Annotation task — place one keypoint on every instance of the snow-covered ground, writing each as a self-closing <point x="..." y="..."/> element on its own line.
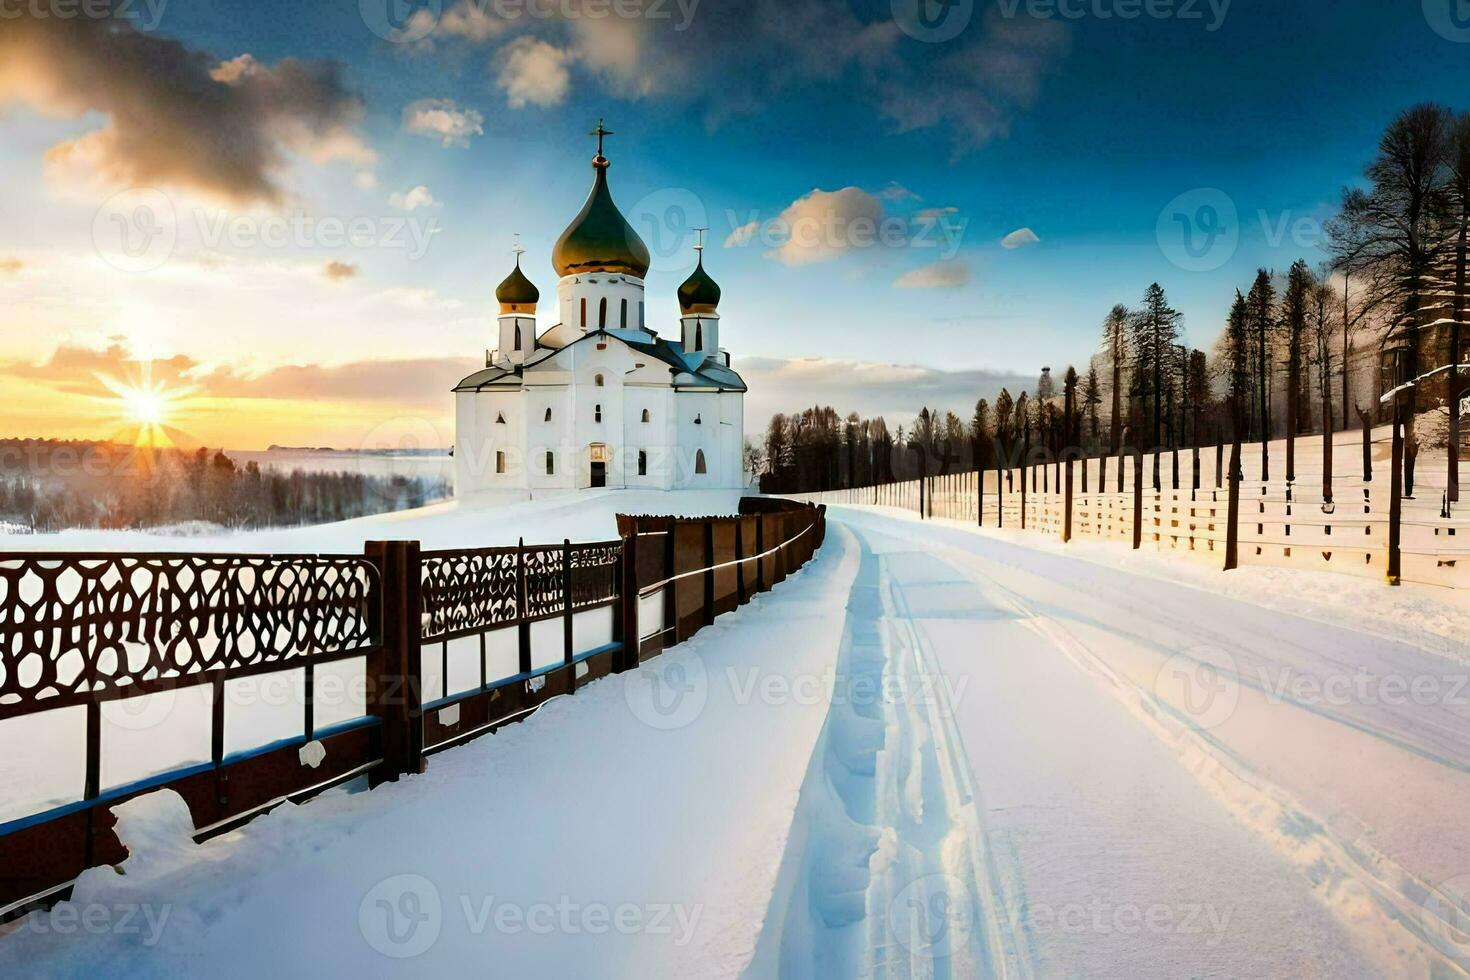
<point x="935" y="752"/>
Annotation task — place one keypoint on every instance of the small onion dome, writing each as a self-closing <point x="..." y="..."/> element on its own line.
<point x="599" y="239"/>
<point x="517" y="294"/>
<point x="700" y="293"/>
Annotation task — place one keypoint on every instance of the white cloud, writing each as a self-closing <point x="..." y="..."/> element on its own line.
<point x="742" y="235"/>
<point x="933" y="214"/>
<point x="1020" y="238"/>
<point x="409" y="200"/>
<point x="444" y="120"/>
<point x="941" y="275"/>
<point x="535" y="73"/>
<point x="825" y="224"/>
<point x="897" y="192"/>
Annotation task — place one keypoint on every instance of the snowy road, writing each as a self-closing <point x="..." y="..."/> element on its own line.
<point x="1078" y="771"/>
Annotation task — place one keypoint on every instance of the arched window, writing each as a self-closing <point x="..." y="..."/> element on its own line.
<point x="500" y="462"/>
<point x="640" y="315"/>
<point x="550" y="462"/>
<point x="584" y="312"/>
<point x="645" y="416"/>
<point x="597" y="413"/>
<point x="699" y="461"/>
<point x="499" y="418"/>
<point x="642" y="463"/>
<point x="699" y="420"/>
<point x="623" y="317"/>
<point x="699" y="335"/>
<point x="602" y="313"/>
<point x="597" y="380"/>
<point x="518" y="336"/>
<point x="548" y="413"/>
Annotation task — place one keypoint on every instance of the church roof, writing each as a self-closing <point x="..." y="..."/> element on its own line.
<point x="686" y="371"/>
<point x="516" y="289"/>
<point x="599" y="239"/>
<point x="700" y="293"/>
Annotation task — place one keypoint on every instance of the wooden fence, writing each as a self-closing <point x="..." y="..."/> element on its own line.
<point x="448" y="645"/>
<point x="1294" y="524"/>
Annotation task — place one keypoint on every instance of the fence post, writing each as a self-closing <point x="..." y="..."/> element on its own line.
<point x="523" y="605"/>
<point x="1138" y="499"/>
<point x="740" y="596"/>
<point x="1396" y="497"/>
<point x="395" y="675"/>
<point x="1067" y="503"/>
<point x="1232" y="511"/>
<point x="632" y="635"/>
<point x="709" y="571"/>
<point x="1023" y="493"/>
<point x="671" y="591"/>
<point x="566" y="595"/>
<point x="921" y="496"/>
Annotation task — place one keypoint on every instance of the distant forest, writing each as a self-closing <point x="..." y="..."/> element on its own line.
<point x="1302" y="351"/>
<point x="50" y="485"/>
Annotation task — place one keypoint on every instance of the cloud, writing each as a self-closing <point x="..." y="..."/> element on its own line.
<point x="824" y="224"/>
<point x="1020" y="238"/>
<point x="412" y="199"/>
<point x="941" y="275"/>
<point x="742" y="235"/>
<point x="10" y="267"/>
<point x="174" y="116"/>
<point x="444" y="120"/>
<point x="897" y="192"/>
<point x="933" y="214"/>
<point x="470" y="21"/>
<point x="895" y="391"/>
<point x="535" y="73"/>
<point x="338" y="271"/>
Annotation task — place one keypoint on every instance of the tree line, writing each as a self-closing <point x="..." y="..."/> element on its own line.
<point x="1302" y="350"/>
<point x="50" y="485"/>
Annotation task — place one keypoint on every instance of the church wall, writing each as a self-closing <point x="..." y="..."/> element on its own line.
<point x="656" y="437"/>
<point x="594" y="287"/>
<point x="478" y="436"/>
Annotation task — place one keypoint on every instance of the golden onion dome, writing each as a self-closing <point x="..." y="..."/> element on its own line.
<point x="700" y="293"/>
<point x="516" y="293"/>
<point x="599" y="239"/>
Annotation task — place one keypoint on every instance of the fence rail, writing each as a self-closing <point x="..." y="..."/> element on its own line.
<point x="1287" y="524"/>
<point x="448" y="645"/>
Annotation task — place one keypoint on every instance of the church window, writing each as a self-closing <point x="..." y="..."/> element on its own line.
<point x="642" y="462"/>
<point x="699" y="335"/>
<point x="602" y="313"/>
<point x="518" y="336"/>
<point x="500" y="462"/>
<point x="597" y="380"/>
<point x="499" y="418"/>
<point x="550" y="462"/>
<point x="584" y="312"/>
<point x="597" y="413"/>
<point x="699" y="461"/>
<point x="640" y="315"/>
<point x="699" y="420"/>
<point x="645" y="416"/>
<point x="548" y="413"/>
<point x="623" y="318"/>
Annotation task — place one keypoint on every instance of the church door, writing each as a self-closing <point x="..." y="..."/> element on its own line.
<point x="599" y="474"/>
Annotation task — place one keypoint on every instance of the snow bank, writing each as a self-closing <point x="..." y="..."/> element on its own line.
<point x="634" y="829"/>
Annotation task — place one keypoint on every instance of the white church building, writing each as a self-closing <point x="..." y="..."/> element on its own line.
<point x="600" y="399"/>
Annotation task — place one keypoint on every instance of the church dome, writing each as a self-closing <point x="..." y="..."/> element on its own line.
<point x="599" y="239"/>
<point x="516" y="291"/>
<point x="700" y="293"/>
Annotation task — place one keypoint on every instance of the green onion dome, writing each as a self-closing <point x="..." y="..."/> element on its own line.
<point x="517" y="294"/>
<point x="700" y="293"/>
<point x="599" y="238"/>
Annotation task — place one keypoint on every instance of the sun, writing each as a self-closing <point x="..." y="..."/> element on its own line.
<point x="145" y="404"/>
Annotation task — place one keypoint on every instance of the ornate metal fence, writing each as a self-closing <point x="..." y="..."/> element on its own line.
<point x="490" y="633"/>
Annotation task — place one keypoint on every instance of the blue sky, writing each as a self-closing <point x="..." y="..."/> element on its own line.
<point x="1082" y="129"/>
